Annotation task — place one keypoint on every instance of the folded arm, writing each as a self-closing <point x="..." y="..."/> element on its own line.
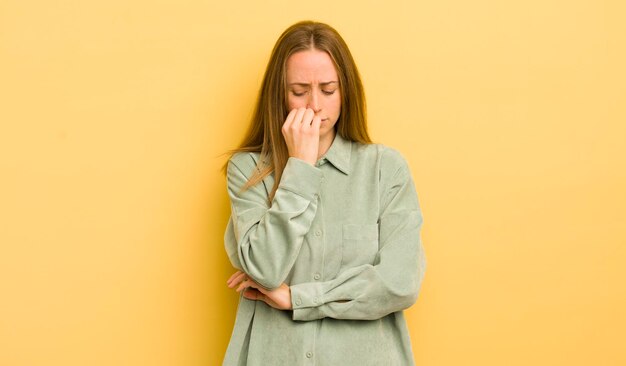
<point x="263" y="241"/>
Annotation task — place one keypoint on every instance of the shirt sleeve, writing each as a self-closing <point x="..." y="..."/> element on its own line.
<point x="391" y="283"/>
<point x="265" y="241"/>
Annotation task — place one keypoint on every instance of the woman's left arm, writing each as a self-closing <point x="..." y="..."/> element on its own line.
<point x="392" y="283"/>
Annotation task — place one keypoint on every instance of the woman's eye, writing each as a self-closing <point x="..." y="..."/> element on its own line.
<point x="326" y="92"/>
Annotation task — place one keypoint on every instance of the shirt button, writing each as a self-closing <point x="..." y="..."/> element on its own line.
<point x="318" y="232"/>
<point x="317" y="276"/>
<point x="298" y="302"/>
<point x="315" y="300"/>
<point x="309" y="354"/>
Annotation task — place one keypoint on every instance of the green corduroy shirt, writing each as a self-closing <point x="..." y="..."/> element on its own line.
<point x="345" y="236"/>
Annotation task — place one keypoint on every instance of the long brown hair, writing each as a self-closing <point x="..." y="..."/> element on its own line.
<point x="264" y="134"/>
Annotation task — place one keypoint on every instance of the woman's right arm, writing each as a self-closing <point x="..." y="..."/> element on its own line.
<point x="265" y="241"/>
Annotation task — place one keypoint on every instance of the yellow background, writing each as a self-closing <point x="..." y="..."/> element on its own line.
<point x="112" y="207"/>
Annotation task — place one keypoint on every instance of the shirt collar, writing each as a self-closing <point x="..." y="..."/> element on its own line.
<point x="339" y="154"/>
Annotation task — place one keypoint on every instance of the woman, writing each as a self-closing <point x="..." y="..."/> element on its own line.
<point x="325" y="225"/>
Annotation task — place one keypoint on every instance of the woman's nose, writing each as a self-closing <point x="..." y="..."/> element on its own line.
<point x="314" y="102"/>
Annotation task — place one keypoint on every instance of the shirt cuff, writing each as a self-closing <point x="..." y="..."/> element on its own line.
<point x="305" y="300"/>
<point x="306" y="295"/>
<point x="301" y="178"/>
<point x="307" y="314"/>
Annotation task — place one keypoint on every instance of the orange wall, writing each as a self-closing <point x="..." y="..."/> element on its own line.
<point x="112" y="208"/>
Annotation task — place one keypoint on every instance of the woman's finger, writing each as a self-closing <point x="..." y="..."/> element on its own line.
<point x="237" y="279"/>
<point x="307" y="117"/>
<point x="242" y="285"/>
<point x="316" y="123"/>
<point x="297" y="120"/>
<point x="290" y="117"/>
<point x="233" y="277"/>
<point x="247" y="283"/>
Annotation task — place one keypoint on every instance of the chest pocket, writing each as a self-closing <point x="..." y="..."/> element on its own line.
<point x="359" y="244"/>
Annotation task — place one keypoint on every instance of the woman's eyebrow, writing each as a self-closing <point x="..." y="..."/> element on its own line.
<point x="307" y="84"/>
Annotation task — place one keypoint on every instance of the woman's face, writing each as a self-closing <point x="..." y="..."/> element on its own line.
<point x="312" y="83"/>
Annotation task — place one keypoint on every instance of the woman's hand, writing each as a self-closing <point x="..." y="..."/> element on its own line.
<point x="302" y="134"/>
<point x="279" y="298"/>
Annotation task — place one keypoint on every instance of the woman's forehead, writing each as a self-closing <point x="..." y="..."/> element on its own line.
<point x="309" y="66"/>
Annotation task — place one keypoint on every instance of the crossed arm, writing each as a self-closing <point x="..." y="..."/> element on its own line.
<point x="368" y="291"/>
